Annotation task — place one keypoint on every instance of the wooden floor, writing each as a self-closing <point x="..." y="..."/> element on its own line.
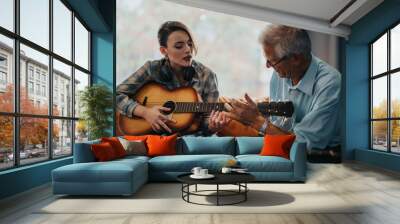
<point x="377" y="188"/>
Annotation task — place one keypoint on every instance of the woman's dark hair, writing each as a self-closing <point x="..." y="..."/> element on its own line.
<point x="171" y="26"/>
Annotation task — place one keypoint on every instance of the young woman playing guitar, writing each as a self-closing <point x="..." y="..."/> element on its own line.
<point x="176" y="70"/>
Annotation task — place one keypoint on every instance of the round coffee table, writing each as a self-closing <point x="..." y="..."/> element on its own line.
<point x="238" y="179"/>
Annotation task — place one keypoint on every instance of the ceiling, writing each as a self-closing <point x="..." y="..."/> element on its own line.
<point x="326" y="16"/>
<point x="320" y="9"/>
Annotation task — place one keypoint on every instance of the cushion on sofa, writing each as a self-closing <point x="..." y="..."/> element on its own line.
<point x="159" y="145"/>
<point x="257" y="163"/>
<point x="249" y="145"/>
<point x="277" y="145"/>
<point x="103" y="152"/>
<point x="190" y="145"/>
<point x="135" y="147"/>
<point x="116" y="145"/>
<point x="185" y="163"/>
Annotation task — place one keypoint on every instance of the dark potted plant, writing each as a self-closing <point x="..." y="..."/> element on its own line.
<point x="96" y="104"/>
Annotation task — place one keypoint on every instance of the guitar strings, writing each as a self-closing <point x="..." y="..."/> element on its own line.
<point x="155" y="102"/>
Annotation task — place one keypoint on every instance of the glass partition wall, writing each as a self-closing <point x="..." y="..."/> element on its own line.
<point x="384" y="91"/>
<point x="44" y="64"/>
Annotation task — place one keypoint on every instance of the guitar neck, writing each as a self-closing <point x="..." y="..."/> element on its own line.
<point x="194" y="107"/>
<point x="281" y="108"/>
<point x="284" y="108"/>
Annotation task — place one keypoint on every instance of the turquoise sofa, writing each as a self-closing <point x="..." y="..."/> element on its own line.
<point x="125" y="176"/>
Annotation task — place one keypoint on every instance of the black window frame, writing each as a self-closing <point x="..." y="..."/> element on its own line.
<point x="16" y="115"/>
<point x="388" y="74"/>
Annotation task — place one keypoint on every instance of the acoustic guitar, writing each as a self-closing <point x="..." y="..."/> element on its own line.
<point x="184" y="105"/>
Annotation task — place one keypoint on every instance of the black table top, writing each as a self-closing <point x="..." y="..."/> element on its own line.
<point x="220" y="178"/>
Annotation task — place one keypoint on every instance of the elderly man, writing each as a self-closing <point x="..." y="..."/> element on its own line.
<point x="310" y="83"/>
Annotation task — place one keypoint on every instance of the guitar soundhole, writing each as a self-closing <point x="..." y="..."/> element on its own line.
<point x="171" y="105"/>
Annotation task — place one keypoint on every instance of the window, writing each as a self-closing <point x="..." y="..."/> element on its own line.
<point x="43" y="90"/>
<point x="3" y="78"/>
<point x="37" y="74"/>
<point x="7" y="14"/>
<point x="81" y="45"/>
<point x="81" y="81"/>
<point x="38" y="89"/>
<point x="30" y="72"/>
<point x="30" y="87"/>
<point x="55" y="102"/>
<point x="34" y="21"/>
<point x="62" y="144"/>
<point x="62" y="75"/>
<point x="7" y="86"/>
<point x="39" y="80"/>
<point x="62" y="29"/>
<point x="3" y="72"/>
<point x="385" y="94"/>
<point x="6" y="143"/>
<point x="3" y="61"/>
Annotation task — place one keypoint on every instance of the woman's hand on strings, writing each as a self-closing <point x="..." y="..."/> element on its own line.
<point x="158" y="121"/>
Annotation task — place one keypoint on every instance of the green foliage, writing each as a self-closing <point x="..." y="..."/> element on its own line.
<point x="380" y="127"/>
<point x="96" y="104"/>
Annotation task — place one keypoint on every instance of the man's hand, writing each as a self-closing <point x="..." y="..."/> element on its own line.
<point x="217" y="121"/>
<point x="244" y="110"/>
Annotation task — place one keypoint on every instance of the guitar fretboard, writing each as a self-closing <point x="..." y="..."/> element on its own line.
<point x="284" y="108"/>
<point x="190" y="107"/>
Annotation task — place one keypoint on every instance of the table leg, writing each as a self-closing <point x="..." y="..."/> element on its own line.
<point x="217" y="194"/>
<point x="245" y="191"/>
<point x="188" y="190"/>
<point x="182" y="190"/>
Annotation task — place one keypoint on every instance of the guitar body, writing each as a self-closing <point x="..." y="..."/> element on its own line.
<point x="184" y="105"/>
<point x="154" y="94"/>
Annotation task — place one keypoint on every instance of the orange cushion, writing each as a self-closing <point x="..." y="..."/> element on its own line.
<point x="103" y="151"/>
<point x="277" y="145"/>
<point x="116" y="145"/>
<point x="161" y="145"/>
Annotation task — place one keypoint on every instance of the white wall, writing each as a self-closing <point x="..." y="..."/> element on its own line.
<point x="326" y="47"/>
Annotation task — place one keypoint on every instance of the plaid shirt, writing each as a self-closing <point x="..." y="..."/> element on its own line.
<point x="198" y="76"/>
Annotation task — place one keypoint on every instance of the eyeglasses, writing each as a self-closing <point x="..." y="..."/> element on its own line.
<point x="269" y="64"/>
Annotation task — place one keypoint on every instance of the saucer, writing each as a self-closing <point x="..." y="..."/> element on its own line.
<point x="240" y="171"/>
<point x="208" y="176"/>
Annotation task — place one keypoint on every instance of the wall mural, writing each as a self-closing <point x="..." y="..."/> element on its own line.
<point x="238" y="68"/>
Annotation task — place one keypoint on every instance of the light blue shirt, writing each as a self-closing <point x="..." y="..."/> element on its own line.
<point x="316" y="100"/>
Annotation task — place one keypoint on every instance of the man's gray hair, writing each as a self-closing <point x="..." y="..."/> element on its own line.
<point x="286" y="40"/>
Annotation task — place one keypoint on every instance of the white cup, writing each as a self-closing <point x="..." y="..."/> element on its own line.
<point x="196" y="170"/>
<point x="203" y="172"/>
<point x="226" y="170"/>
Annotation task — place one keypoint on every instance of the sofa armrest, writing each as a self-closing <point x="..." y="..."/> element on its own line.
<point x="298" y="155"/>
<point x="83" y="152"/>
